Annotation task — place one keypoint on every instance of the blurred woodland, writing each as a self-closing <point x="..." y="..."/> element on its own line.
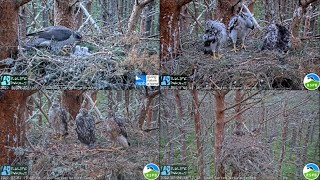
<point x="183" y="25"/>
<point x="240" y="134"/>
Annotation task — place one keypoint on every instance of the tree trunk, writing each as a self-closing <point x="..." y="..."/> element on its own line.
<point x="45" y="14"/>
<point x="64" y="13"/>
<point x="182" y="128"/>
<point x="267" y="10"/>
<point x="219" y="131"/>
<point x="136" y="12"/>
<point x="9" y="28"/>
<point x="111" y="104"/>
<point x="71" y="101"/>
<point x="149" y="19"/>
<point x="307" y="21"/>
<point x="23" y="22"/>
<point x="197" y="122"/>
<point x="169" y="30"/>
<point x="13" y="108"/>
<point x="284" y="138"/>
<point x="225" y="10"/>
<point x="238" y="117"/>
<point x="145" y="108"/>
<point x="127" y="102"/>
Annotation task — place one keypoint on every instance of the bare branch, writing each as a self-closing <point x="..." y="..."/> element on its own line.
<point x="21" y="2"/>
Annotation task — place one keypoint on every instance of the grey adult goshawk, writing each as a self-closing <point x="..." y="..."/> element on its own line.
<point x="54" y="37"/>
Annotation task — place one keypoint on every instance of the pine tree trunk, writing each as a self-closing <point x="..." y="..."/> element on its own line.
<point x="13" y="108"/>
<point x="225" y="10"/>
<point x="219" y="132"/>
<point x="71" y="101"/>
<point x="9" y="28"/>
<point x="169" y="30"/>
<point x="127" y="103"/>
<point x="64" y="13"/>
<point x="284" y="138"/>
<point x="136" y="12"/>
<point x="182" y="128"/>
<point x="197" y="122"/>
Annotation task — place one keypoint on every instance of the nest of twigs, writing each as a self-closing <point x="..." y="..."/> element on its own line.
<point x="247" y="155"/>
<point x="50" y="158"/>
<point x="250" y="68"/>
<point x="113" y="63"/>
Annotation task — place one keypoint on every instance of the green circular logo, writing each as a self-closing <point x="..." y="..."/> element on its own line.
<point x="311" y="171"/>
<point x="311" y="81"/>
<point x="151" y="171"/>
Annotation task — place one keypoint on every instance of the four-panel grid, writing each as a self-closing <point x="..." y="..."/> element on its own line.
<point x="159" y="89"/>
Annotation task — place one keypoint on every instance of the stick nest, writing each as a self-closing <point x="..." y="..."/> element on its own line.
<point x="114" y="62"/>
<point x="250" y="68"/>
<point x="247" y="155"/>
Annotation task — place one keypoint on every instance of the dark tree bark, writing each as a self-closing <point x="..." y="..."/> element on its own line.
<point x="9" y="28"/>
<point x="225" y="10"/>
<point x="145" y="108"/>
<point x="284" y="138"/>
<point x="296" y="22"/>
<point x="127" y="102"/>
<point x="197" y="122"/>
<point x="13" y="108"/>
<point x="71" y="101"/>
<point x="182" y="128"/>
<point x="219" y="131"/>
<point x="169" y="30"/>
<point x="64" y="13"/>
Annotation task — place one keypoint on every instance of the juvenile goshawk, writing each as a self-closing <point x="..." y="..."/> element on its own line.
<point x="86" y="127"/>
<point x="214" y="37"/>
<point x="58" y="118"/>
<point x="239" y="27"/>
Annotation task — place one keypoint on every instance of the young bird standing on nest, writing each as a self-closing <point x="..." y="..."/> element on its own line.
<point x="215" y="37"/>
<point x="239" y="27"/>
<point x="277" y="38"/>
<point x="116" y="132"/>
<point x="58" y="118"/>
<point x="86" y="127"/>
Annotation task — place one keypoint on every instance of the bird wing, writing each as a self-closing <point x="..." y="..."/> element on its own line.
<point x="233" y="23"/>
<point x="57" y="33"/>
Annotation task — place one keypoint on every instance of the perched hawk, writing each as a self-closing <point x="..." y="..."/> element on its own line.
<point x="239" y="27"/>
<point x="86" y="127"/>
<point x="214" y="37"/>
<point x="116" y="132"/>
<point x="277" y="38"/>
<point x="58" y="118"/>
<point x="54" y="37"/>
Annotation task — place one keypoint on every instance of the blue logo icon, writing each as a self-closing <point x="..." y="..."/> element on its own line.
<point x="165" y="171"/>
<point x="5" y="80"/>
<point x="165" y="80"/>
<point x="6" y="171"/>
<point x="141" y="80"/>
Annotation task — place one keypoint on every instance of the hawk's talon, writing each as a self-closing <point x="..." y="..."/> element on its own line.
<point x="243" y="46"/>
<point x="215" y="57"/>
<point x="234" y="48"/>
